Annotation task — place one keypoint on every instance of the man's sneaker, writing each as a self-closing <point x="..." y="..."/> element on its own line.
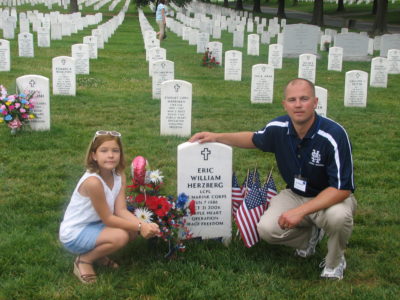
<point x="316" y="237"/>
<point x="334" y="273"/>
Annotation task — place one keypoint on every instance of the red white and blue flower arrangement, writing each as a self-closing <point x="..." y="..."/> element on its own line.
<point x="15" y="110"/>
<point x="146" y="202"/>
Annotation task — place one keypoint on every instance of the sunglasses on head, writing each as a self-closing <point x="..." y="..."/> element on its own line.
<point x="105" y="132"/>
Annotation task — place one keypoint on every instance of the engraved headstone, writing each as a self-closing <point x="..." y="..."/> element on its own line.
<point x="216" y="51"/>
<point x="238" y="38"/>
<point x="262" y="83"/>
<point x="202" y="41"/>
<point x="91" y="41"/>
<point x="299" y="39"/>
<point x="205" y="174"/>
<point x="43" y="37"/>
<point x="356" y="88"/>
<point x="393" y="58"/>
<point x="379" y="72"/>
<point x="5" y="59"/>
<point x="80" y="52"/>
<point x="275" y="53"/>
<point x="253" y="44"/>
<point x="163" y="70"/>
<point x="176" y="108"/>
<point x="25" y="44"/>
<point x="322" y="95"/>
<point x="64" y="78"/>
<point x="233" y="65"/>
<point x="307" y="67"/>
<point x="56" y="31"/>
<point x="39" y="85"/>
<point x="389" y="41"/>
<point x="155" y="54"/>
<point x="355" y="46"/>
<point x="335" y="59"/>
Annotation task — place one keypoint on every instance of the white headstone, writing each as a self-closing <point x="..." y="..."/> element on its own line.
<point x="91" y="41"/>
<point x="216" y="51"/>
<point x="233" y="65"/>
<point x="265" y="38"/>
<point x="39" y="85"/>
<point x="393" y="58"/>
<point x="25" y="44"/>
<point x="193" y="37"/>
<point x="262" y="83"/>
<point x="335" y="59"/>
<point x="43" y="37"/>
<point x="275" y="53"/>
<point x="202" y="41"/>
<point x="379" y="72"/>
<point x="205" y="175"/>
<point x="23" y="25"/>
<point x="355" y="46"/>
<point x="325" y="42"/>
<point x="176" y="108"/>
<point x="253" y="44"/>
<point x="56" y="31"/>
<point x="238" y="38"/>
<point x="64" y="78"/>
<point x="307" y="67"/>
<point x="5" y="61"/>
<point x="356" y="88"/>
<point x="80" y="52"/>
<point x="155" y="54"/>
<point x="389" y="41"/>
<point x="163" y="70"/>
<point x="322" y="95"/>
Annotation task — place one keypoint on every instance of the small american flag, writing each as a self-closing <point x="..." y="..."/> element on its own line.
<point x="269" y="190"/>
<point x="237" y="195"/>
<point x="248" y="215"/>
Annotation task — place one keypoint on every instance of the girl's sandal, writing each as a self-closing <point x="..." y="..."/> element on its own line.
<point x="107" y="262"/>
<point x="84" y="278"/>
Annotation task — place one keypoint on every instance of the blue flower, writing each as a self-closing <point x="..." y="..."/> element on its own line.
<point x="22" y="95"/>
<point x="181" y="201"/>
<point x="24" y="101"/>
<point x="8" y="118"/>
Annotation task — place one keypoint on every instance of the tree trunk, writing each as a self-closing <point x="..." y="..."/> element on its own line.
<point x="257" y="6"/>
<point x="295" y="2"/>
<point x="226" y="3"/>
<point x="340" y="6"/>
<point x="239" y="5"/>
<point x="281" y="10"/>
<point x="74" y="6"/>
<point x="380" y="24"/>
<point x="374" y="7"/>
<point x="318" y="13"/>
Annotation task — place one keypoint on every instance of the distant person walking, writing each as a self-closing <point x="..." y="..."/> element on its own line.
<point x="161" y="20"/>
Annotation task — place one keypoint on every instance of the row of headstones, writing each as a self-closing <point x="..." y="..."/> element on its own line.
<point x="97" y="4"/>
<point x="296" y="39"/>
<point x="63" y="78"/>
<point x="100" y="35"/>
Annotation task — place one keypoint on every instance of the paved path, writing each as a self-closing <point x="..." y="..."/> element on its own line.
<point x="330" y="21"/>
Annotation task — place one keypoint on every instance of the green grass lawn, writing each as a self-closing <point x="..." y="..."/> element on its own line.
<point x="39" y="170"/>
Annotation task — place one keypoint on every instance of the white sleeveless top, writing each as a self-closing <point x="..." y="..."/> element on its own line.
<point x="80" y="210"/>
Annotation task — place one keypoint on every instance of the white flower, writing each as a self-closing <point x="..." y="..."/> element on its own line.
<point x="155" y="177"/>
<point x="143" y="214"/>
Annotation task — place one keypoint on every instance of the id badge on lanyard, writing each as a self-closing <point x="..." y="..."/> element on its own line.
<point x="300" y="183"/>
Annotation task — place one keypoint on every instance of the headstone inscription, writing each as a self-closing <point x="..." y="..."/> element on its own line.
<point x="91" y="41"/>
<point x="379" y="72"/>
<point x="205" y="174"/>
<point x="335" y="59"/>
<point x="5" y="58"/>
<point x="40" y="86"/>
<point x="202" y="41"/>
<point x="275" y="54"/>
<point x="307" y="67"/>
<point x="64" y="78"/>
<point x="356" y="88"/>
<point x="163" y="70"/>
<point x="155" y="54"/>
<point x="25" y="45"/>
<point x="233" y="65"/>
<point x="322" y="95"/>
<point x="176" y="108"/>
<point x="43" y="37"/>
<point x="393" y="58"/>
<point x="262" y="83"/>
<point x="80" y="52"/>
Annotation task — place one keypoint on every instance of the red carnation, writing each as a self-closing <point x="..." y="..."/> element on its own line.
<point x="139" y="198"/>
<point x="163" y="207"/>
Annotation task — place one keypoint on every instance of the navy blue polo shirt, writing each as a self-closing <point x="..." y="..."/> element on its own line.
<point x="323" y="157"/>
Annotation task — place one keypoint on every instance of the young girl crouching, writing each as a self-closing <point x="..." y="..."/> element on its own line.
<point x="96" y="222"/>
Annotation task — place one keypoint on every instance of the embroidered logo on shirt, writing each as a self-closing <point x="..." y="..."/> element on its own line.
<point x="315" y="158"/>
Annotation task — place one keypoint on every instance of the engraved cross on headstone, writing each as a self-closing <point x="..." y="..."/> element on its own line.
<point x="205" y="153"/>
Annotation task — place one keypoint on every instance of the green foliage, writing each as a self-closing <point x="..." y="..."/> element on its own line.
<point x="39" y="170"/>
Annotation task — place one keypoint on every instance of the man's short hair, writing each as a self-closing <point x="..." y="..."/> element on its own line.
<point x="296" y="80"/>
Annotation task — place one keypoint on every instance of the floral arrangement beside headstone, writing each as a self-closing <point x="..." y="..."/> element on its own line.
<point x="15" y="110"/>
<point x="145" y="201"/>
<point x="209" y="60"/>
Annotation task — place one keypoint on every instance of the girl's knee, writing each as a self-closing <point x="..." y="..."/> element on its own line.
<point x="120" y="238"/>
